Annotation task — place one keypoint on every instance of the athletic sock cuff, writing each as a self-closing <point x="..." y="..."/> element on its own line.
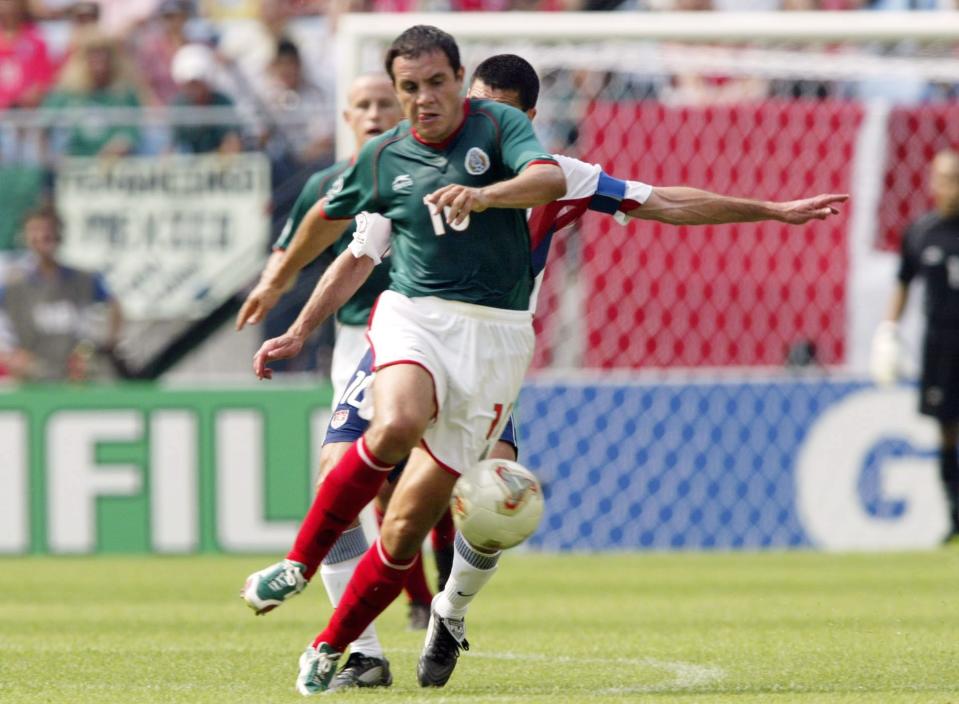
<point x="479" y="560"/>
<point x="391" y="561"/>
<point x="350" y="545"/>
<point x="369" y="458"/>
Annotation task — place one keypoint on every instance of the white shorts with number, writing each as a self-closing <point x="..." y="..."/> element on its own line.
<point x="477" y="357"/>
<point x="348" y="350"/>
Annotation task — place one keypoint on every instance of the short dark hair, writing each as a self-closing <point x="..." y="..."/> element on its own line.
<point x="510" y="72"/>
<point x="422" y="39"/>
<point x="286" y="48"/>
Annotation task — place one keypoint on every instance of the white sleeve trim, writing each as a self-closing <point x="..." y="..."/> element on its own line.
<point x="637" y="191"/>
<point x="581" y="177"/>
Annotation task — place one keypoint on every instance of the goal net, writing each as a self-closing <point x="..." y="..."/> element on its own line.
<point x="665" y="408"/>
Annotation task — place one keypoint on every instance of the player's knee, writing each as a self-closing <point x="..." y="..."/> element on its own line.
<point x="395" y="435"/>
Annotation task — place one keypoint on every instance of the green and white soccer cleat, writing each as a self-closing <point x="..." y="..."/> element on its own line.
<point x="317" y="669"/>
<point x="270" y="587"/>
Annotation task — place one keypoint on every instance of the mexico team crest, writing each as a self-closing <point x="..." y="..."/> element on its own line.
<point x="477" y="161"/>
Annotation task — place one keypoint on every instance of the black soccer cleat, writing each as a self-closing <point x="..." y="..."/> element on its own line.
<point x="445" y="637"/>
<point x="362" y="671"/>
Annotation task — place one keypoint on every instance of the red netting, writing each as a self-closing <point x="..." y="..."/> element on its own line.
<point x="658" y="295"/>
<point x="915" y="134"/>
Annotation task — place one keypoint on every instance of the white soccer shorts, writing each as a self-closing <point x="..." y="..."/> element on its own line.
<point x="477" y="357"/>
<point x="348" y="350"/>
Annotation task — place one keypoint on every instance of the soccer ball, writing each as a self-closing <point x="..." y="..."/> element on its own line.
<point x="497" y="504"/>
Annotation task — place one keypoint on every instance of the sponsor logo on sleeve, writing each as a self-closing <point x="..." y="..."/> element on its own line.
<point x="477" y="161"/>
<point x="336" y="187"/>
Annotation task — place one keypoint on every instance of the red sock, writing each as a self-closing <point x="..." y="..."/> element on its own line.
<point x="349" y="486"/>
<point x="415" y="586"/>
<point x="377" y="581"/>
<point x="443" y="532"/>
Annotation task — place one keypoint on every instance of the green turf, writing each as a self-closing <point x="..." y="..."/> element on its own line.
<point x="797" y="627"/>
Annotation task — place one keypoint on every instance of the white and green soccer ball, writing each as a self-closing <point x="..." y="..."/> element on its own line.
<point x="497" y="504"/>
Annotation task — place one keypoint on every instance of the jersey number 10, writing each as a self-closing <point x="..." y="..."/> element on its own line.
<point x="439" y="227"/>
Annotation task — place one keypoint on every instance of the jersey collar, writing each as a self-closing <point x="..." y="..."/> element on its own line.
<point x="449" y="140"/>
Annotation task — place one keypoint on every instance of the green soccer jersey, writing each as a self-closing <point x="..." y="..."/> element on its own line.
<point x="486" y="261"/>
<point x="355" y="311"/>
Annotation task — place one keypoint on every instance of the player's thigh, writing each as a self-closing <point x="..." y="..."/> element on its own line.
<point x="404" y="402"/>
<point x="349" y="347"/>
<point x="421" y="497"/>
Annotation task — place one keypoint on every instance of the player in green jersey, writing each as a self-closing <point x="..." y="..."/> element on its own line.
<point x="372" y="109"/>
<point x="454" y="336"/>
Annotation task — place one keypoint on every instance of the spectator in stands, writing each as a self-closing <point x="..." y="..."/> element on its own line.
<point x="84" y="20"/>
<point x="194" y="70"/>
<point x="295" y="107"/>
<point x="97" y="75"/>
<point x="25" y="68"/>
<point x="249" y="47"/>
<point x="48" y="312"/>
<point x="157" y="45"/>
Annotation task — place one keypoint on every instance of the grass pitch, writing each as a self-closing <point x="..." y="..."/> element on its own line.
<point x="712" y="628"/>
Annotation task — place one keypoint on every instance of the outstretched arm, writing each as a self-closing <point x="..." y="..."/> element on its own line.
<point x="337" y="285"/>
<point x="314" y="235"/>
<point x="680" y="205"/>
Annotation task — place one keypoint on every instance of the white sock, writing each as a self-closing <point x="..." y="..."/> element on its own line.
<point x="337" y="575"/>
<point x="471" y="571"/>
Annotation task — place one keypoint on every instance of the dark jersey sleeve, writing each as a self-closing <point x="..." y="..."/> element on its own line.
<point x="307" y="199"/>
<point x="358" y="192"/>
<point x="518" y="143"/>
<point x="909" y="257"/>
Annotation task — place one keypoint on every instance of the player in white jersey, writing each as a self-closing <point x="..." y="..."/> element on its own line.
<point x="587" y="188"/>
